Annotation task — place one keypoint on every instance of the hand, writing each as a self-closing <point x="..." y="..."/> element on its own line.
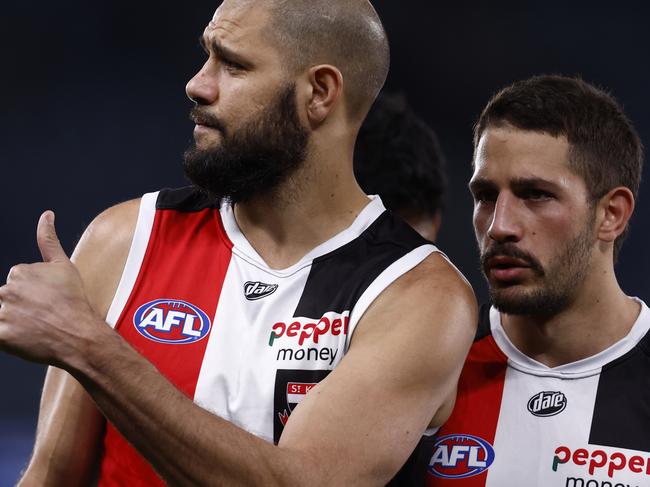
<point x="44" y="313"/>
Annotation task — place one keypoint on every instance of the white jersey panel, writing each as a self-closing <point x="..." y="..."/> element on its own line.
<point x="146" y="215"/>
<point x="519" y="431"/>
<point x="236" y="381"/>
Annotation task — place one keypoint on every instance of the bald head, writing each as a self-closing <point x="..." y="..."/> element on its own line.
<point x="344" y="33"/>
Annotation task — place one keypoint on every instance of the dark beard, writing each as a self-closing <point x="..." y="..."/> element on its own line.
<point x="253" y="160"/>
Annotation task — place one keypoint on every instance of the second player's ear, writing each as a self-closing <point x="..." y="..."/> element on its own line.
<point x="615" y="210"/>
<point x="326" y="88"/>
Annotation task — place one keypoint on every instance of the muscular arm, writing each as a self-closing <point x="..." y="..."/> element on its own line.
<point x="69" y="424"/>
<point x="355" y="428"/>
<point x="401" y="370"/>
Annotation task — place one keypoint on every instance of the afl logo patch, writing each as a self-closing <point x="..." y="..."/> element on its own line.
<point x="547" y="403"/>
<point x="171" y="321"/>
<point x="460" y="456"/>
<point x="257" y="290"/>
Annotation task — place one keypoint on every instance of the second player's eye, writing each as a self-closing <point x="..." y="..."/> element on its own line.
<point x="484" y="196"/>
<point x="537" y="194"/>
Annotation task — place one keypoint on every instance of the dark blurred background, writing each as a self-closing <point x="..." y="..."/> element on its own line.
<point x="94" y="112"/>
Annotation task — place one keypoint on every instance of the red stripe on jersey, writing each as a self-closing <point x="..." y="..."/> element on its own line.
<point x="478" y="402"/>
<point x="186" y="260"/>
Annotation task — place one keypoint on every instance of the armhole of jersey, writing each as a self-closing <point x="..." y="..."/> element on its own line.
<point x="484" y="327"/>
<point x="431" y="431"/>
<point x="386" y="278"/>
<point x="138" y="248"/>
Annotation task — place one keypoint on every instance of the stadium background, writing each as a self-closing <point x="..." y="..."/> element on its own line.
<point x="94" y="112"/>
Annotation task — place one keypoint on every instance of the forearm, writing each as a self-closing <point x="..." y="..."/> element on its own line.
<point x="184" y="443"/>
<point x="67" y="437"/>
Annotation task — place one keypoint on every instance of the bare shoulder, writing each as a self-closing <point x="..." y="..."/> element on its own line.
<point x="431" y="294"/>
<point x="435" y="273"/>
<point x="428" y="317"/>
<point x="103" y="249"/>
<point x="112" y="228"/>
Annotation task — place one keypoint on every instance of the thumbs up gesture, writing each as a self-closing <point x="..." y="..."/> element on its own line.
<point x="48" y="241"/>
<point x="44" y="311"/>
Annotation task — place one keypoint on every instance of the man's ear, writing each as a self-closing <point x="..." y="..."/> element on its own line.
<point x="615" y="210"/>
<point x="326" y="90"/>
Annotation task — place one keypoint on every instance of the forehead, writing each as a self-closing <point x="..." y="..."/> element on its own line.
<point x="239" y="22"/>
<point x="506" y="153"/>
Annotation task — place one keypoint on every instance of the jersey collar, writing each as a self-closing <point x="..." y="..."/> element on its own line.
<point x="574" y="370"/>
<point x="244" y="249"/>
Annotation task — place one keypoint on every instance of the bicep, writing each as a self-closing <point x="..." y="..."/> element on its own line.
<point x="368" y="415"/>
<point x="102" y="251"/>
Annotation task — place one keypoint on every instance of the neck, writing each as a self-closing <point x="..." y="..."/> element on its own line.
<point x="600" y="315"/>
<point x="320" y="200"/>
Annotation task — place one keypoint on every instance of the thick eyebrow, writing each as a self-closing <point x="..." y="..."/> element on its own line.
<point x="481" y="184"/>
<point x="528" y="183"/>
<point x="222" y="52"/>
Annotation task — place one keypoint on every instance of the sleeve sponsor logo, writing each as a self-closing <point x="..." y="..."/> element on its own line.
<point x="302" y="338"/>
<point x="254" y="290"/>
<point x="171" y="321"/>
<point x="547" y="403"/>
<point x="600" y="462"/>
<point x="460" y="456"/>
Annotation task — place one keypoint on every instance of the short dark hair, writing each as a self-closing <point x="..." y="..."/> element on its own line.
<point x="605" y="149"/>
<point x="345" y="33"/>
<point x="398" y="157"/>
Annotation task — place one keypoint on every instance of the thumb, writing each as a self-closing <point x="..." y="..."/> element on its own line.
<point x="48" y="242"/>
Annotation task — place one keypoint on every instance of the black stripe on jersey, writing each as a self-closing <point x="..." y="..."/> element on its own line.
<point x="414" y="471"/>
<point x="338" y="279"/>
<point x="187" y="199"/>
<point x="484" y="329"/>
<point x="622" y="410"/>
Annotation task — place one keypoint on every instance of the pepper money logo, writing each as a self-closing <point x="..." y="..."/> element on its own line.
<point x="599" y="462"/>
<point x="171" y="321"/>
<point x="300" y="338"/>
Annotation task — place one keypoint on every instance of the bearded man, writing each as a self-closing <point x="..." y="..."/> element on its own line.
<point x="271" y="325"/>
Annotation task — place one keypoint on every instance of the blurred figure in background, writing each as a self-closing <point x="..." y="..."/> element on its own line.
<point x="398" y="157"/>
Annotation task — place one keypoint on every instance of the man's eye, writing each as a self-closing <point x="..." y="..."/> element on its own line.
<point x="537" y="194"/>
<point x="484" y="196"/>
<point x="232" y="66"/>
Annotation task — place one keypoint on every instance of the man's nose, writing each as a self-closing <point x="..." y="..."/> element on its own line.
<point x="203" y="88"/>
<point x="506" y="225"/>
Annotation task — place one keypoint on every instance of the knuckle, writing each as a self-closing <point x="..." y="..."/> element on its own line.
<point x="14" y="273"/>
<point x="7" y="293"/>
<point x="23" y="271"/>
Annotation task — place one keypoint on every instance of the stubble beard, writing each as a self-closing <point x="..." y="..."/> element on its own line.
<point x="559" y="281"/>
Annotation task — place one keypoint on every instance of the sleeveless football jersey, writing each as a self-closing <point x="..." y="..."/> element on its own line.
<point x="519" y="423"/>
<point x="244" y="341"/>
